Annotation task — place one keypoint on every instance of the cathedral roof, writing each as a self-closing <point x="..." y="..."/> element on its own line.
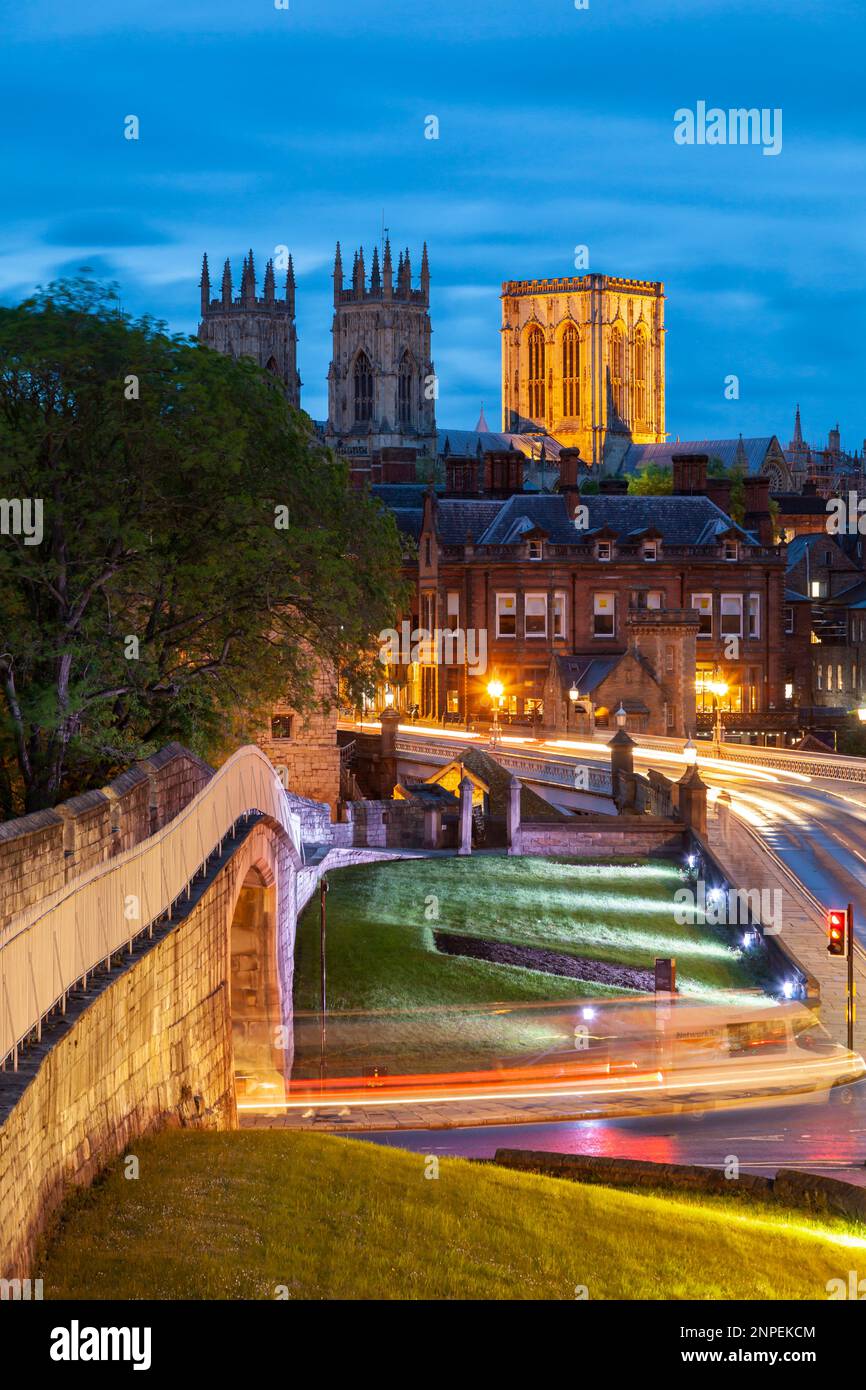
<point x="469" y="441"/>
<point x="729" y="451"/>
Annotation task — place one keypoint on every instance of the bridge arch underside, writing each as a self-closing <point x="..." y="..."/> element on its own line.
<point x="260" y="996"/>
<point x="154" y="1044"/>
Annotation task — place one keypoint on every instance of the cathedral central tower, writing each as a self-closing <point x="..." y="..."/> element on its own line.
<point x="381" y="383"/>
<point x="583" y="358"/>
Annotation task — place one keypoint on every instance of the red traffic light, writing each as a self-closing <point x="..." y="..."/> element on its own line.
<point x="837" y="925"/>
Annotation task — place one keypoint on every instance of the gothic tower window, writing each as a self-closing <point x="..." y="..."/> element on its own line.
<point x="617" y="370"/>
<point x="570" y="373"/>
<point x="404" y="390"/>
<point x="363" y="389"/>
<point x="535" y="344"/>
<point x="640" y="377"/>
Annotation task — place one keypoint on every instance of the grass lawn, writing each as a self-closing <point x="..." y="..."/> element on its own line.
<point x="382" y="956"/>
<point x="236" y="1216"/>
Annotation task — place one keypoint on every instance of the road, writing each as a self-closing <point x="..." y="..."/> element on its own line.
<point x="826" y="1136"/>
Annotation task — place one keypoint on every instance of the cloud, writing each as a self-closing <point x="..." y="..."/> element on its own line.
<point x="109" y="228"/>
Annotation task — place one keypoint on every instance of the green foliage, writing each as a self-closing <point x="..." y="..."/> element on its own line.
<point x="651" y="480"/>
<point x="852" y="740"/>
<point x="202" y="551"/>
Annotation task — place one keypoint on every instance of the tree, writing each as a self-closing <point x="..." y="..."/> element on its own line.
<point x="201" y="554"/>
<point x="651" y="480"/>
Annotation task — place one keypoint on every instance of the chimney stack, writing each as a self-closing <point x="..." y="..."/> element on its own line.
<point x="757" y="508"/>
<point x="690" y="474"/>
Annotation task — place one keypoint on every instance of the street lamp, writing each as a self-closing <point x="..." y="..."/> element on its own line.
<point x="495" y="690"/>
<point x="621" y="718"/>
<point x="718" y="690"/>
<point x="690" y="754"/>
<point x="574" y="696"/>
<point x="389" y="697"/>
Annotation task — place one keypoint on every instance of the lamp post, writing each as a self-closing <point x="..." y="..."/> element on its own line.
<point x="718" y="690"/>
<point x="690" y="754"/>
<point x="574" y="696"/>
<point x="389" y="697"/>
<point x="323" y="888"/>
<point x="495" y="690"/>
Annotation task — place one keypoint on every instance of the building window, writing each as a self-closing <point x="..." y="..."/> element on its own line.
<point x="404" y="390"/>
<point x="649" y="598"/>
<point x="704" y="605"/>
<point x="617" y="370"/>
<point x="570" y="373"/>
<point x="535" y="615"/>
<point x="840" y="684"/>
<point x="363" y="377"/>
<point x="428" y="552"/>
<point x="729" y="550"/>
<point x="536" y="550"/>
<point x="640" y="376"/>
<point x="650" y="550"/>
<point x="603" y="615"/>
<point x="535" y="345"/>
<point x="820" y="675"/>
<point x="603" y="550"/>
<point x="281" y="726"/>
<point x="789" y="621"/>
<point x="506" y="615"/>
<point x="754" y="615"/>
<point x="669" y="660"/>
<point x="452" y="607"/>
<point x="789" y="690"/>
<point x="559" y="602"/>
<point x="731" y="615"/>
<point x="818" y="588"/>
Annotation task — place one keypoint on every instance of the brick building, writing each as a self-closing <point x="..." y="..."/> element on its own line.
<point x="542" y="592"/>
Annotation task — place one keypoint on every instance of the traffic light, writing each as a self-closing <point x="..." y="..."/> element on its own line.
<point x="837" y="931"/>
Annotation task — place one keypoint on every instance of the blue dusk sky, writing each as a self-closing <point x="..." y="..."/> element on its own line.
<point x="262" y="126"/>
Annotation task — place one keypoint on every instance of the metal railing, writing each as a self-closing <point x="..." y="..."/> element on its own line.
<point x="52" y="947"/>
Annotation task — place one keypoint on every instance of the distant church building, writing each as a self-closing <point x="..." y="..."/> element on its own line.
<point x="584" y="360"/>
<point x="263" y="329"/>
<point x="381" y="382"/>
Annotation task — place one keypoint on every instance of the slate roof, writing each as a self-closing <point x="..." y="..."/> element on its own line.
<point x="400" y="494"/>
<point x="680" y="520"/>
<point x="587" y="672"/>
<point x="532" y="806"/>
<point x="468" y="442"/>
<point x="457" y="517"/>
<point x="798" y="545"/>
<point x="725" y="449"/>
<point x="409" y="521"/>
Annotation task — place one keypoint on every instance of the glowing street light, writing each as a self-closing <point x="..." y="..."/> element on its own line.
<point x="690" y="754"/>
<point x="389" y="698"/>
<point x="495" y="690"/>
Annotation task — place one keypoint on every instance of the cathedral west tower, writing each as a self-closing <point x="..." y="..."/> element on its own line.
<point x="381" y="382"/>
<point x="583" y="358"/>
<point x="260" y="328"/>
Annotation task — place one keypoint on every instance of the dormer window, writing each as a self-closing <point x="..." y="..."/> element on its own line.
<point x="603" y="550"/>
<point x="729" y="550"/>
<point x="650" y="550"/>
<point x="536" y="550"/>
